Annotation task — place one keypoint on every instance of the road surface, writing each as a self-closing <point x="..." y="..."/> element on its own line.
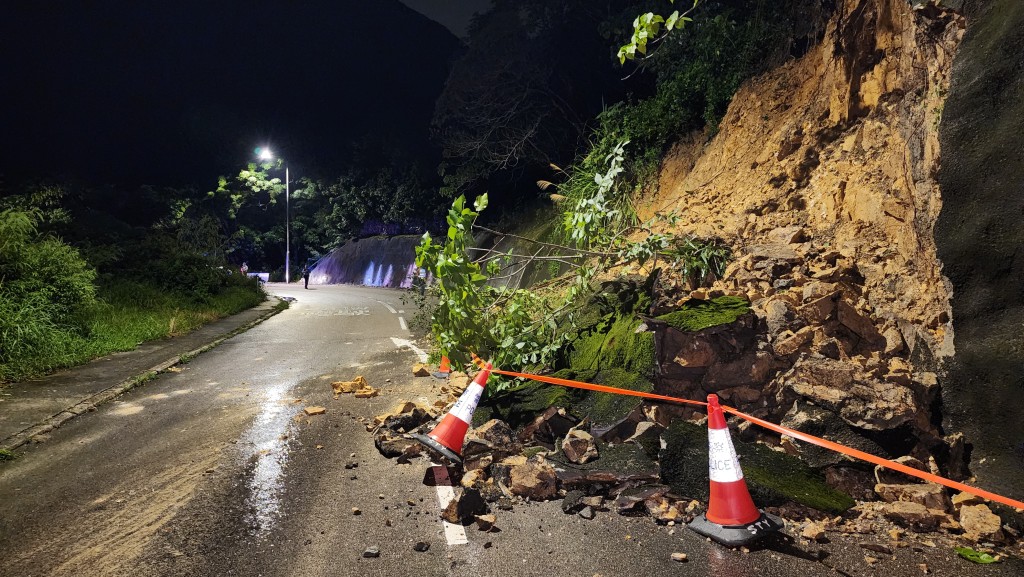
<point x="216" y="470"/>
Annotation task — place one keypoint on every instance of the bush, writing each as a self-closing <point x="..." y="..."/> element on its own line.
<point x="46" y="290"/>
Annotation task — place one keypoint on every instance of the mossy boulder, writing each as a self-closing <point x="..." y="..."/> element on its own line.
<point x="698" y="314"/>
<point x="772" y="477"/>
<point x="518" y="406"/>
<point x="604" y="409"/>
<point x="618" y="346"/>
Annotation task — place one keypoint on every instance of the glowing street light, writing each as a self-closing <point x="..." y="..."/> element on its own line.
<point x="266" y="155"/>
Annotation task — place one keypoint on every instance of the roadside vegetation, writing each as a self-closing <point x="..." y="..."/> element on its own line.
<point x="61" y="305"/>
<point x="683" y="81"/>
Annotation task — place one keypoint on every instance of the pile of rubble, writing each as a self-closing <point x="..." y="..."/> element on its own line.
<point x="556" y="457"/>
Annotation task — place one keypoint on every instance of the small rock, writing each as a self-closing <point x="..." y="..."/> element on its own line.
<point x="421" y="370"/>
<point x="679" y="557"/>
<point x="351" y="465"/>
<point x="535" y="480"/>
<point x="579" y="446"/>
<point x="367" y="392"/>
<point x="356" y="511"/>
<point x="464" y="506"/>
<point x="870" y="560"/>
<point x="315" y="410"/>
<point x="876" y="548"/>
<point x="587" y="513"/>
<point x="961" y="499"/>
<point x="488" y="545"/>
<point x="930" y="495"/>
<point x="421" y="546"/>
<point x="485" y="522"/>
<point x="371" y="552"/>
<point x="572" y="502"/>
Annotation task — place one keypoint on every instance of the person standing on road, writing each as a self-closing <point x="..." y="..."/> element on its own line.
<point x="305" y="275"/>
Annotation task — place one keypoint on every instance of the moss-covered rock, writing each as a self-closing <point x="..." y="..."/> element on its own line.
<point x="772" y="477"/>
<point x="604" y="409"/>
<point x="697" y="314"/>
<point x="519" y="406"/>
<point x="618" y="346"/>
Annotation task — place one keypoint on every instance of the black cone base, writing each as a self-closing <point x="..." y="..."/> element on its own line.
<point x="433" y="445"/>
<point x="736" y="535"/>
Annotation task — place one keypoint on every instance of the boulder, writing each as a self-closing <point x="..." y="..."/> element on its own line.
<point x="981" y="524"/>
<point x="535" y="480"/>
<point x="551" y="425"/>
<point x="814" y="420"/>
<point x="860" y="401"/>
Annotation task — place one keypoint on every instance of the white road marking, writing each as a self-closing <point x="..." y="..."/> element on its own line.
<point x="454" y="534"/>
<point x="404" y="343"/>
<point x="401" y="321"/>
<point x="389" y="307"/>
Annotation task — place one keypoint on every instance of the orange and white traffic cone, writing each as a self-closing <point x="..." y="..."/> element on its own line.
<point x="732" y="518"/>
<point x="444" y="370"/>
<point x="448" y="436"/>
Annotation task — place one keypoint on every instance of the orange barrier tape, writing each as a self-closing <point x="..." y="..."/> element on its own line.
<point x="778" y="429"/>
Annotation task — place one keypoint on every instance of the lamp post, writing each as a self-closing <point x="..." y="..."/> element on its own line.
<point x="266" y="154"/>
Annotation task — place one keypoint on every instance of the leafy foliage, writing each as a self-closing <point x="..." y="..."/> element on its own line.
<point x="648" y="26"/>
<point x="975" y="556"/>
<point x="45" y="289"/>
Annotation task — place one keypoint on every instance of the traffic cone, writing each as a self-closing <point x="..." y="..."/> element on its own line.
<point x="448" y="436"/>
<point x="444" y="370"/>
<point x="732" y="518"/>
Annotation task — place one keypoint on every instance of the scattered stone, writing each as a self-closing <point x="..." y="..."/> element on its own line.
<point x="486" y="522"/>
<point x="914" y="516"/>
<point x="930" y="495"/>
<point x="981" y="524"/>
<point x="663" y="510"/>
<point x="348" y="386"/>
<point x="356" y="511"/>
<point x="472" y="478"/>
<point x="813" y="531"/>
<point x="587" y="513"/>
<point x="421" y="546"/>
<point x="466" y="504"/>
<point x="679" y="557"/>
<point x="315" y="410"/>
<point x="572" y="502"/>
<point x="367" y="392"/>
<point x="579" y="446"/>
<point x="961" y="499"/>
<point x="421" y="370"/>
<point x="876" y="548"/>
<point x="351" y="464"/>
<point x="371" y="552"/>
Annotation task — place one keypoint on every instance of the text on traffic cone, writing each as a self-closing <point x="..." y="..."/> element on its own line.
<point x="731" y="518"/>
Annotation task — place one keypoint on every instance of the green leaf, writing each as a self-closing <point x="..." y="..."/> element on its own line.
<point x="481" y="202"/>
<point x="975" y="556"/>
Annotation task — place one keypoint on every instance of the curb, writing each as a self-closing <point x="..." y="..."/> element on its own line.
<point x="90" y="403"/>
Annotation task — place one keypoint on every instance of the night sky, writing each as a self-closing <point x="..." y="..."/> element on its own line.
<point x="177" y="93"/>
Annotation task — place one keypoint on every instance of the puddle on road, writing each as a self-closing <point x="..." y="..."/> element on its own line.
<point x="269" y="438"/>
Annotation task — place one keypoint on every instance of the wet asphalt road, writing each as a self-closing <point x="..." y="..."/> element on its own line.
<point x="215" y="470"/>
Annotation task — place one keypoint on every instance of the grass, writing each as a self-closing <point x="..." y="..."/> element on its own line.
<point x="127" y="315"/>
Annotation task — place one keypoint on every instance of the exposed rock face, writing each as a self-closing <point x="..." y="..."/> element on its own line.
<point x="822" y="177"/>
<point x="979" y="235"/>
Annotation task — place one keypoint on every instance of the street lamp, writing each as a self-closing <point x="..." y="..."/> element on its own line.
<point x="267" y="155"/>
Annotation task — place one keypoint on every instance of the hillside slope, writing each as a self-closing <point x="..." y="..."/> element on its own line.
<point x="823" y="179"/>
